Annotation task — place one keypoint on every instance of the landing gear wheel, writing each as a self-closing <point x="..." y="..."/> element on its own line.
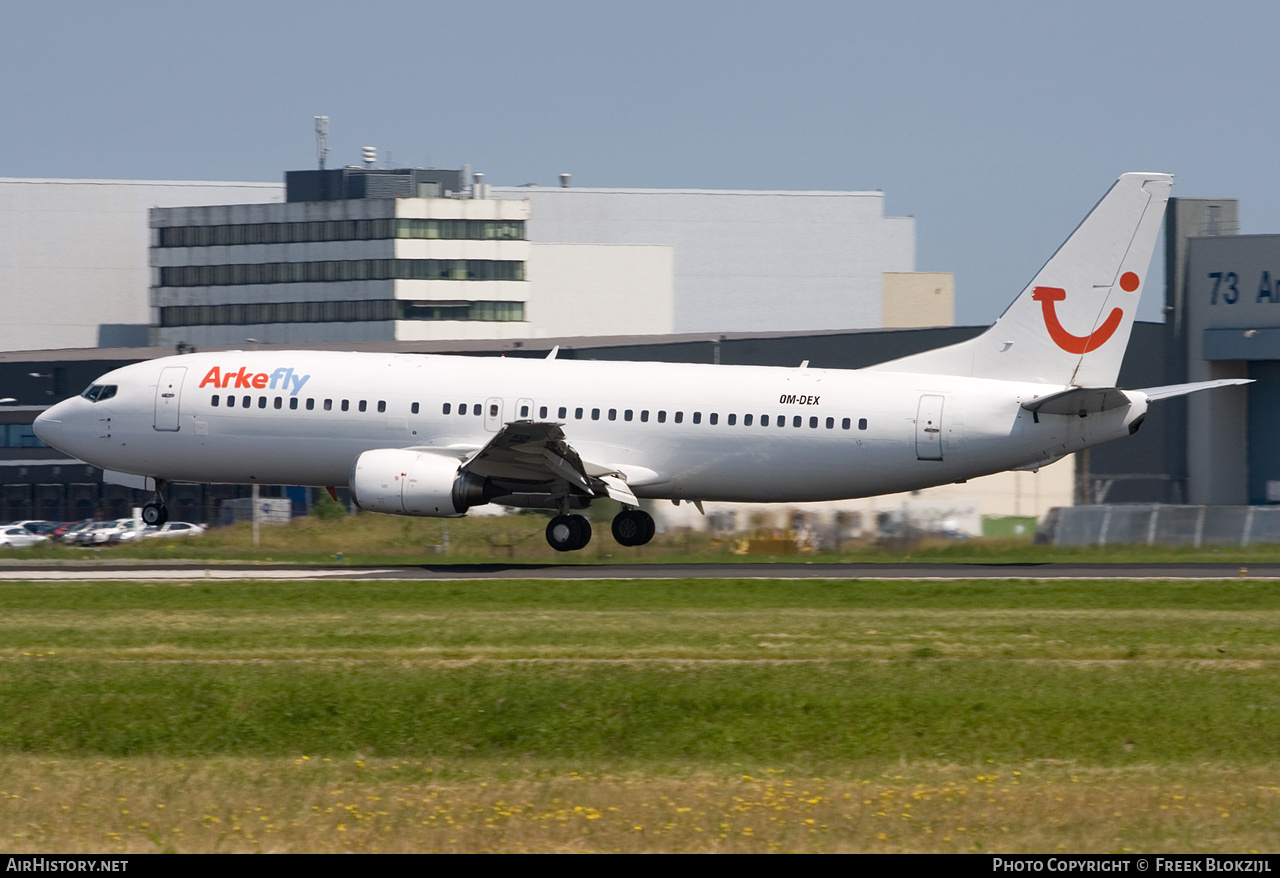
<point x="154" y="514"/>
<point x="633" y="527"/>
<point x="568" y="533"/>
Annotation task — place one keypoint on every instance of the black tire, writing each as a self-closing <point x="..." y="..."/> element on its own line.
<point x="154" y="515"/>
<point x="584" y="531"/>
<point x="628" y="529"/>
<point x="649" y="527"/>
<point x="568" y="533"/>
<point x="633" y="527"/>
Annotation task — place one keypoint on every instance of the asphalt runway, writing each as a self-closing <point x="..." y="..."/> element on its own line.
<point x="142" y="572"/>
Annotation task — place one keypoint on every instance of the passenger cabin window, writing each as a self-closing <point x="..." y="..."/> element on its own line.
<point x="679" y="417"/>
<point x="311" y="404"/>
<point x="613" y="414"/>
<point x="862" y="423"/>
<point x="747" y="419"/>
<point x="293" y="403"/>
<point x="328" y="405"/>
<point x="493" y="409"/>
<point x="278" y="402"/>
<point x="413" y="409"/>
<point x="595" y="414"/>
<point x="262" y="402"/>
<point x="844" y="425"/>
<point x="697" y="417"/>
<point x="346" y="405"/>
<point x="713" y="417"/>
<point x="644" y="416"/>
<point x="524" y="411"/>
<point x="542" y="412"/>
<point x="733" y="419"/>
<point x="363" y="405"/>
<point x="796" y="421"/>
<point x="246" y="401"/>
<point x="382" y="406"/>
<point x="213" y="400"/>
<point x="626" y="416"/>
<point x="662" y="417"/>
<point x="577" y="413"/>
<point x="831" y="423"/>
<point x="813" y="423"/>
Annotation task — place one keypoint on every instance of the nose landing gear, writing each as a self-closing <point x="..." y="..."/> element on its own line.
<point x="155" y="513"/>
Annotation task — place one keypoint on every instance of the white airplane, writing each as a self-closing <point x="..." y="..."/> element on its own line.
<point x="437" y="435"/>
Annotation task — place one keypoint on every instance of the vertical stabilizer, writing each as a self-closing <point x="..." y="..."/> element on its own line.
<point x="1072" y="323"/>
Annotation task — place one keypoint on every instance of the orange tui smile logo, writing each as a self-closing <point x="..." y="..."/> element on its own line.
<point x="1080" y="344"/>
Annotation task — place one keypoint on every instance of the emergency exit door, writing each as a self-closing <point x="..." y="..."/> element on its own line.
<point x="929" y="428"/>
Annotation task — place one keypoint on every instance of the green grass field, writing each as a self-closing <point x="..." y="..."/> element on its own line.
<point x="640" y="715"/>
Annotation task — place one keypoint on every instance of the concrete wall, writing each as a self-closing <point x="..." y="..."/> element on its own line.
<point x="744" y="261"/>
<point x="600" y="289"/>
<point x="73" y="255"/>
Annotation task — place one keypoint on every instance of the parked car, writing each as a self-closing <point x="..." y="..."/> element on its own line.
<point x="71" y="535"/>
<point x="106" y="533"/>
<point x="174" y="529"/>
<point x="37" y="527"/>
<point x="19" y="537"/>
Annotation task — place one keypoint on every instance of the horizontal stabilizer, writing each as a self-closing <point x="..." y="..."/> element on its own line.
<point x="1183" y="389"/>
<point x="1078" y="401"/>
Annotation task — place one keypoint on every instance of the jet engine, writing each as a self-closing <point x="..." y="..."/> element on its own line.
<point x="403" y="482"/>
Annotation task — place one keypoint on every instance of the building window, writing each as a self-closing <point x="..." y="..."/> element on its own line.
<point x="342" y="230"/>
<point x="338" y="270"/>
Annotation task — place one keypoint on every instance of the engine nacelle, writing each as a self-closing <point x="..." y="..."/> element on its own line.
<point x="403" y="482"/>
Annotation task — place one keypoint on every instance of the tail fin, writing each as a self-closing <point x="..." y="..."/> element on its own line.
<point x="1072" y="323"/>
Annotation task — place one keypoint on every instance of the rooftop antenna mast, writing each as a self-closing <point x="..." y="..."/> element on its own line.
<point x="322" y="136"/>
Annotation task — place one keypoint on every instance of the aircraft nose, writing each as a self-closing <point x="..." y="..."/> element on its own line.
<point x="49" y="428"/>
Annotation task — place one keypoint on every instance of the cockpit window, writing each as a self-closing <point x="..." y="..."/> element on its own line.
<point x="99" y="392"/>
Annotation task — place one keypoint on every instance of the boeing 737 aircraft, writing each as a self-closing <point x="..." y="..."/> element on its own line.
<point x="438" y="435"/>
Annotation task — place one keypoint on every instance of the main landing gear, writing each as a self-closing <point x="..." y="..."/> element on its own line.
<point x="631" y="527"/>
<point x="567" y="533"/>
<point x="155" y="513"/>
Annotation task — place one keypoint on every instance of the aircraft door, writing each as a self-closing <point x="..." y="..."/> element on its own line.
<point x="168" y="398"/>
<point x="493" y="414"/>
<point x="929" y="428"/>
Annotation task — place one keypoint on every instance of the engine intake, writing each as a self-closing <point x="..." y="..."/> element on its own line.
<point x="402" y="482"/>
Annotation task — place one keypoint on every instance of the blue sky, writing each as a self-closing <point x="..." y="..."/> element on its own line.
<point x="996" y="124"/>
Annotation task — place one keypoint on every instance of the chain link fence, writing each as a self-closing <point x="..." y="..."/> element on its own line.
<point x="1160" y="525"/>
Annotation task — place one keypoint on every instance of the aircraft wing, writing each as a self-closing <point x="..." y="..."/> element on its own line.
<point x="528" y="451"/>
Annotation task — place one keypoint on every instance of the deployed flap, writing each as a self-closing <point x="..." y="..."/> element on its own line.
<point x="619" y="491"/>
<point x="528" y="451"/>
